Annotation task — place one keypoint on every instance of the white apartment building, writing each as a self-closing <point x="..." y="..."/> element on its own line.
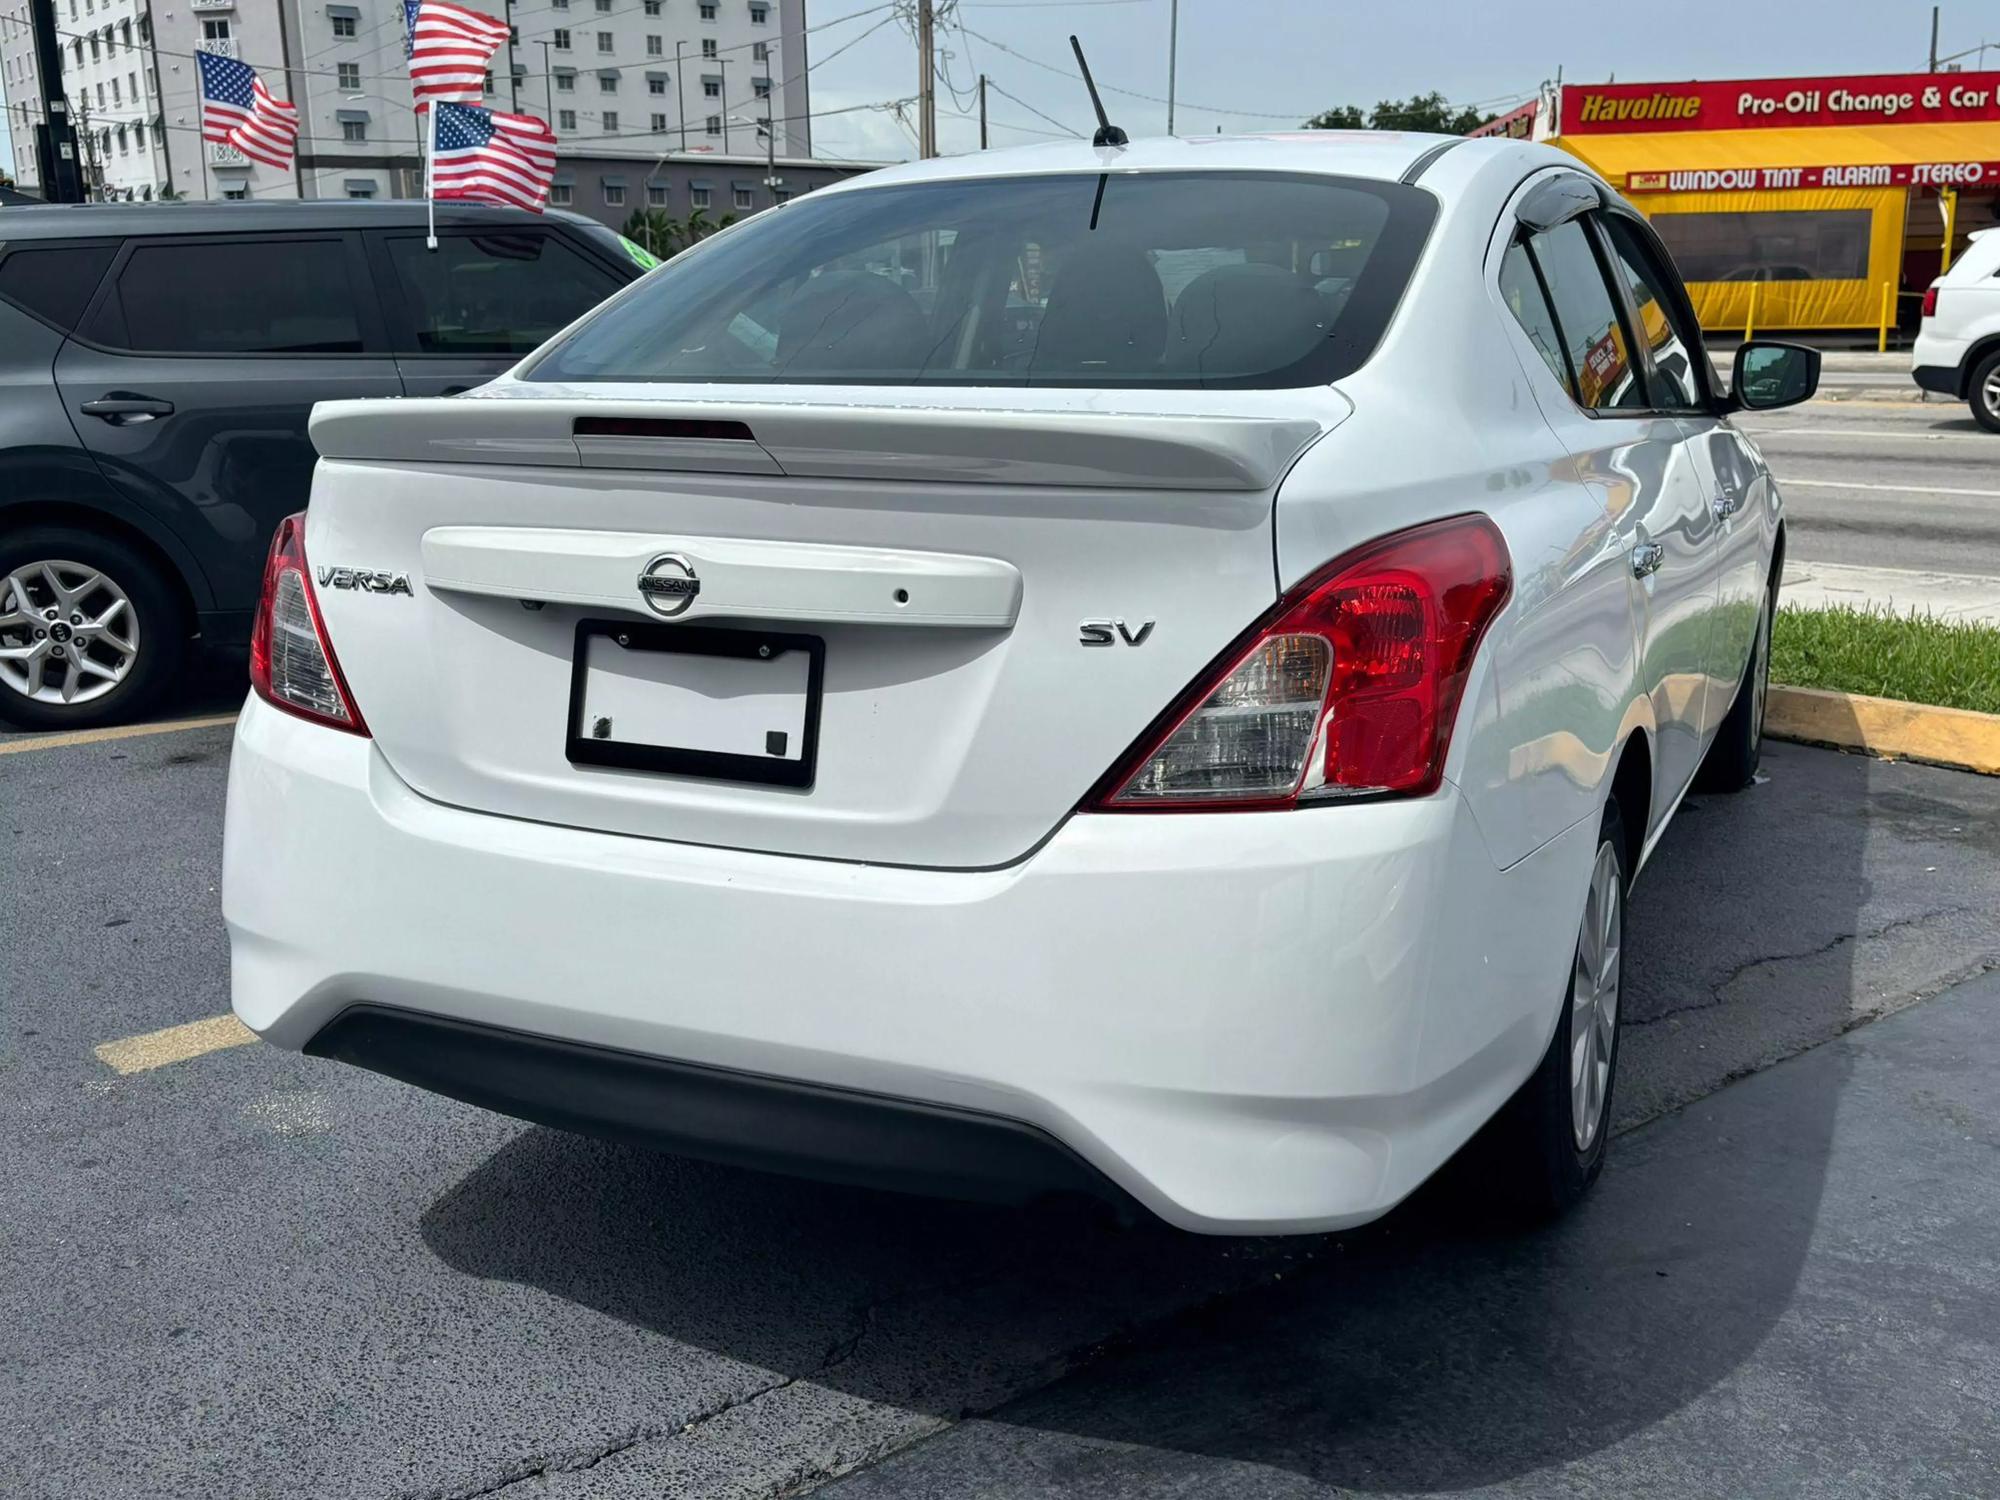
<point x="620" y="80"/>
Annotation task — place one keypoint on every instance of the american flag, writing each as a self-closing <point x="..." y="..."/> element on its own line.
<point x="449" y="47"/>
<point x="237" y="110"/>
<point x="489" y="157"/>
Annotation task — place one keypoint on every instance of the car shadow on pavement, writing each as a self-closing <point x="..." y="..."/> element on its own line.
<point x="1441" y="1349"/>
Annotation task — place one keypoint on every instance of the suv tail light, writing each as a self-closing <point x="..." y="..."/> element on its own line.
<point x="292" y="665"/>
<point x="1349" y="687"/>
<point x="1930" y="302"/>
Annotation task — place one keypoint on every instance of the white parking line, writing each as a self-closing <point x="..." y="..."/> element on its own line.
<point x="1899" y="489"/>
<point x="99" y="736"/>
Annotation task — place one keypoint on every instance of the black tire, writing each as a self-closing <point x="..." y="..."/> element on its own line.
<point x="1982" y="392"/>
<point x="1738" y="746"/>
<point x="153" y="605"/>
<point x="1532" y="1145"/>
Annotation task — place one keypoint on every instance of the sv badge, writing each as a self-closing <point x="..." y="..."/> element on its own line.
<point x="1111" y="632"/>
<point x="368" y="580"/>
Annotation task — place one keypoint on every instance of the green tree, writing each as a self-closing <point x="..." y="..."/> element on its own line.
<point x="1426" y="112"/>
<point x="659" y="231"/>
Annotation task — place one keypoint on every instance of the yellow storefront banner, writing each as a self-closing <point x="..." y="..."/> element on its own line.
<point x="1795" y="304"/>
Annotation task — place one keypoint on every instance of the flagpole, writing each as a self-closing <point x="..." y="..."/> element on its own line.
<point x="430" y="181"/>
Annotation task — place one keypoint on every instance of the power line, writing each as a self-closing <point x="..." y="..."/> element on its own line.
<point x="1038" y="114"/>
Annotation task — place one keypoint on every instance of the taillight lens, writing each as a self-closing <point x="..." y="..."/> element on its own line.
<point x="292" y="665"/>
<point x="1348" y="688"/>
<point x="1930" y="302"/>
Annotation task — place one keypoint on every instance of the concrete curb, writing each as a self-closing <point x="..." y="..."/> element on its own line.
<point x="1951" y="737"/>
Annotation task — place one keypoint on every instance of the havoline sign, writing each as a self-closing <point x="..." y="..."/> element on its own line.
<point x="1774" y="103"/>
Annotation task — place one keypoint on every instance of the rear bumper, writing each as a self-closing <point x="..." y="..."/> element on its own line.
<point x="1248" y="1022"/>
<point x="1939" y="378"/>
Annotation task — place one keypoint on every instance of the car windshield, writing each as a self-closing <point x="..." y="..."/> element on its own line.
<point x="1083" y="279"/>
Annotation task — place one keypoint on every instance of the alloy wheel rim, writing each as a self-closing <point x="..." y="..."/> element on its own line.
<point x="1593" y="1015"/>
<point x="1760" y="678"/>
<point x="1990" y="393"/>
<point x="68" y="632"/>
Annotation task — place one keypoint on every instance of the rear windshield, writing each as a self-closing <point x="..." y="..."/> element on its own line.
<point x="1085" y="279"/>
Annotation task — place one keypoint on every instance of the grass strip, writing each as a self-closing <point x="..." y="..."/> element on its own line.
<point x="1917" y="658"/>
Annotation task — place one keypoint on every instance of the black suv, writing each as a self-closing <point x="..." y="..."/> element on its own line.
<point x="157" y="366"/>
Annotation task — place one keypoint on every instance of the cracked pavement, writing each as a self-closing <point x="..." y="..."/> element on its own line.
<point x="259" y="1274"/>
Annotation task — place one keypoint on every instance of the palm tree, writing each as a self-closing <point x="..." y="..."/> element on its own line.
<point x="656" y="229"/>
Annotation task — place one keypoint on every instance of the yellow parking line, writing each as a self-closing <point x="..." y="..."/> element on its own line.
<point x="98" y="736"/>
<point x="155" y="1049"/>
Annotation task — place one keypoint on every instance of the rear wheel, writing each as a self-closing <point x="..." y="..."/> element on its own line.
<point x="90" y="632"/>
<point x="1731" y="762"/>
<point x="1982" y="392"/>
<point x="1549" y="1140"/>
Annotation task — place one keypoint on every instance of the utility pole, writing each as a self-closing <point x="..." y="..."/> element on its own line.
<point x="1934" y="26"/>
<point x="723" y="63"/>
<point x="982" y="111"/>
<point x="55" y="137"/>
<point x="926" y="89"/>
<point x="681" y="94"/>
<point x="1173" y="57"/>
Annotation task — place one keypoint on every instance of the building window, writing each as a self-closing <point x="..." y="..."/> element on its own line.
<point x="659" y="123"/>
<point x="94" y="53"/>
<point x="116" y="96"/>
<point x="656" y="195"/>
<point x="656" y="85"/>
<point x="712" y="87"/>
<point x="761" y="87"/>
<point x="611" y="122"/>
<point x="607" y="83"/>
<point x="124" y="145"/>
<point x="145" y="28"/>
<point x="139" y="135"/>
<point x="697" y="197"/>
<point x="759" y="14"/>
<point x="614" y="196"/>
<point x="354" y="130"/>
<point x="652" y="7"/>
<point x="654" y="46"/>
<point x="713" y="125"/>
<point x="604" y="42"/>
<point x="236" y="192"/>
<point x="344" y="27"/>
<point x="360" y="190"/>
<point x="559" y="195"/>
<point x="487" y="87"/>
<point x="349" y="77"/>
<point x="742" y="198"/>
<point x="708" y="8"/>
<point x="760" y="52"/>
<point x="708" y="46"/>
<point x="561" y="4"/>
<point x="565" y="83"/>
<point x="125" y="34"/>
<point x="565" y="119"/>
<point x="215" y="30"/>
<point x="100" y="96"/>
<point x="781" y="195"/>
<point x="560" y="37"/>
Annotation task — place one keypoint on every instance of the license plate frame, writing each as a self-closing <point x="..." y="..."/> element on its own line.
<point x="585" y="749"/>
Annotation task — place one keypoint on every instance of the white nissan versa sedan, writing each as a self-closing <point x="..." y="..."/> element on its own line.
<point x="1147" y="669"/>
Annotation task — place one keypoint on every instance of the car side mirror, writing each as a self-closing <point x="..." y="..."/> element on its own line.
<point x="1769" y="374"/>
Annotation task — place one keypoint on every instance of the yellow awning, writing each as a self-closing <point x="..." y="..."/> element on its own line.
<point x="1826" y="146"/>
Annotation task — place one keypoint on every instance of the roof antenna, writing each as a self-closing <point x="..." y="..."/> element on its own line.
<point x="1107" y="133"/>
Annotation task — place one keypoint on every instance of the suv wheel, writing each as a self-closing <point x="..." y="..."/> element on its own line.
<point x="90" y="632"/>
<point x="1982" y="393"/>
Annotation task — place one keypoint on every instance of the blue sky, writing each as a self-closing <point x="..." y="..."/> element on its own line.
<point x="1250" y="64"/>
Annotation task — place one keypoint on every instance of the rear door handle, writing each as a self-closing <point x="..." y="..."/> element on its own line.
<point x="120" y="410"/>
<point x="1646" y="559"/>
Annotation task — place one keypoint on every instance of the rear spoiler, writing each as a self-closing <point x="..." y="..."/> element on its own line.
<point x="938" y="444"/>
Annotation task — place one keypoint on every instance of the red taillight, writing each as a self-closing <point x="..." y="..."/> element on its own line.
<point x="1930" y="302"/>
<point x="1348" y="688"/>
<point x="292" y="665"/>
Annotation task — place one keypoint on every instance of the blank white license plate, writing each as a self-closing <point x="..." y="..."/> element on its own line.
<point x="692" y="701"/>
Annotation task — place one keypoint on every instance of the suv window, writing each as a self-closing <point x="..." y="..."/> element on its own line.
<point x="55" y="282"/>
<point x="1593" y="334"/>
<point x="1672" y="352"/>
<point x="496" y="292"/>
<point x="262" y="296"/>
<point x="1216" y="278"/>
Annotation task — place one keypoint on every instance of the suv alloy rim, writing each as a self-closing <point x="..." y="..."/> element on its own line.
<point x="68" y="633"/>
<point x="1593" y="1015"/>
<point x="1989" y="393"/>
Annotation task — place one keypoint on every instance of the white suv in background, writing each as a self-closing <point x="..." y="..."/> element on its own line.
<point x="1144" y="668"/>
<point x="1958" y="346"/>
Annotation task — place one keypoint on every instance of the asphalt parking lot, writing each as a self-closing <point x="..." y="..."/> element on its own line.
<point x="242" y="1272"/>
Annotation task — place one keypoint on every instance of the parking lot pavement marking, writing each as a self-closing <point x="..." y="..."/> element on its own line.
<point x="155" y="1049"/>
<point x="120" y="732"/>
<point x="1873" y="432"/>
<point x="1899" y="489"/>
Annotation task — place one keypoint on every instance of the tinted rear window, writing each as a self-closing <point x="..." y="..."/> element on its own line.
<point x="267" y="296"/>
<point x="493" y="292"/>
<point x="54" y="282"/>
<point x="1135" y="279"/>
